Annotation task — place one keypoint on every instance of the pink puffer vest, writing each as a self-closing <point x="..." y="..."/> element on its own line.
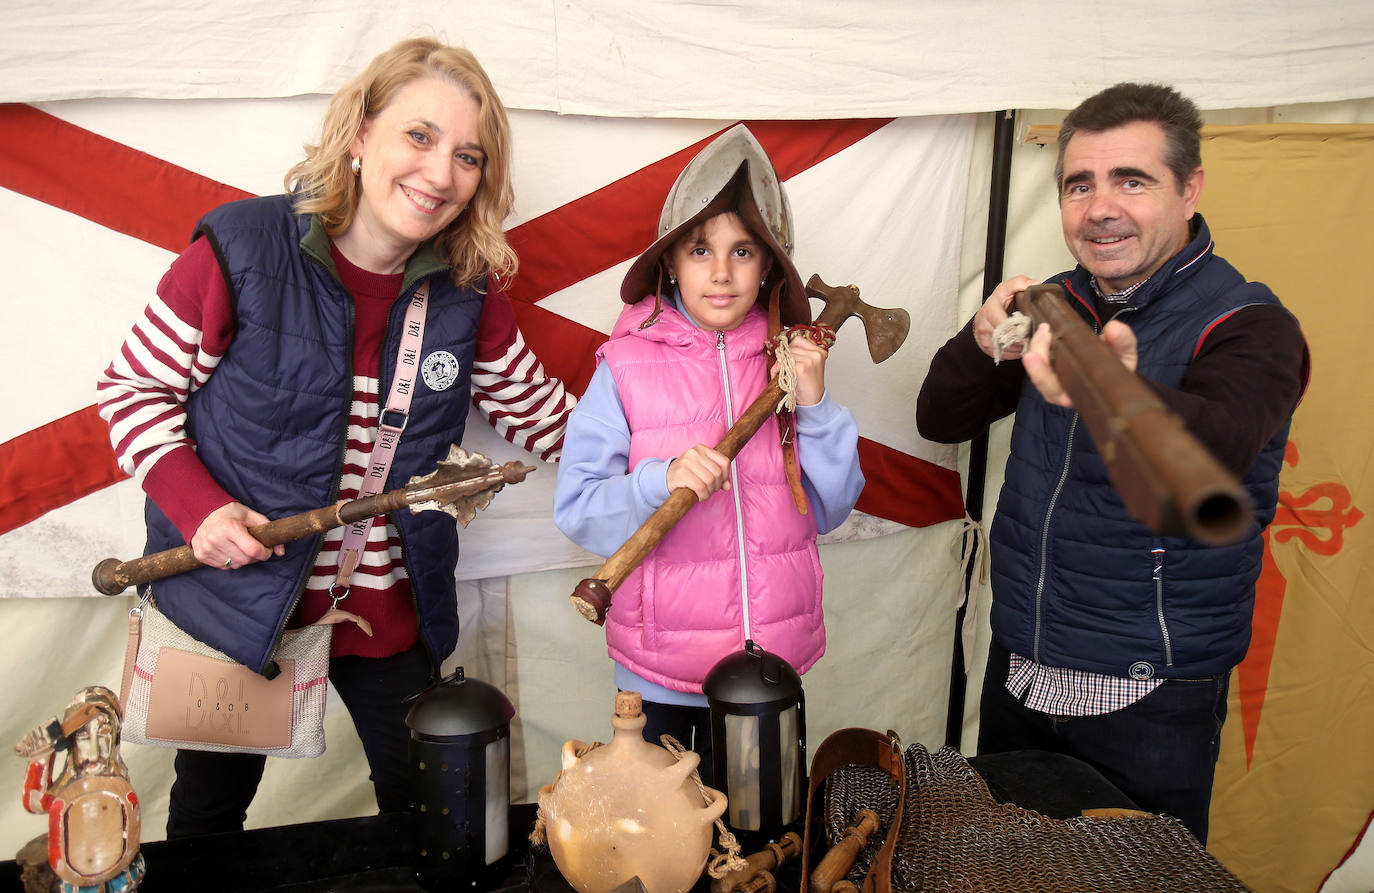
<point x="689" y="604"/>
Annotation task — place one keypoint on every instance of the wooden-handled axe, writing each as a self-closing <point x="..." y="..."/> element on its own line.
<point x="886" y="330"/>
<point x="462" y="484"/>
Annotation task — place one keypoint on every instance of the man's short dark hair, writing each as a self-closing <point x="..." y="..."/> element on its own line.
<point x="1127" y="103"/>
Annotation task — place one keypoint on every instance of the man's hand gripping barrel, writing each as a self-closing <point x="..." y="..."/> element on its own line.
<point x="1167" y="479"/>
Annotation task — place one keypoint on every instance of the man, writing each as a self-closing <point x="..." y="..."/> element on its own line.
<point x="1112" y="644"/>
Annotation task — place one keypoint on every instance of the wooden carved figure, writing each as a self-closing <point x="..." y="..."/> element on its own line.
<point x="93" y="815"/>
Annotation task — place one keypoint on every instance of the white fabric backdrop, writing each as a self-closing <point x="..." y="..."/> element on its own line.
<point x="876" y="214"/>
<point x="660" y="58"/>
<point x="885" y="213"/>
<point x="793" y="60"/>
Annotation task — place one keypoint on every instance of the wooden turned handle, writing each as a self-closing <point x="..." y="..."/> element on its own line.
<point x="592" y="599"/>
<point x="763" y="882"/>
<point x="788" y="846"/>
<point x="838" y="861"/>
<point x="755" y="877"/>
<point x="112" y="576"/>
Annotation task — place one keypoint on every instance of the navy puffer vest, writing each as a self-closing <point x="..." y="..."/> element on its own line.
<point x="1077" y="582"/>
<point x="271" y="422"/>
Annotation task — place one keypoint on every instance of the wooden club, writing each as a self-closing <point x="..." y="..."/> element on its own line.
<point x="462" y="484"/>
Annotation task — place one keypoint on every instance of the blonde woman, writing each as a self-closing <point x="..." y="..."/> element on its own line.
<point x="250" y="389"/>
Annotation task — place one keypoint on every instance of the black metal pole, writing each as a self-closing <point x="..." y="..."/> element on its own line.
<point x="1003" y="131"/>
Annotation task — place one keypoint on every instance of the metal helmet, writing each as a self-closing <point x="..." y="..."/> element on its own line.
<point x="732" y="174"/>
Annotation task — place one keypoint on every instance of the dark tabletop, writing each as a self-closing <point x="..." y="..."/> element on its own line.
<point x="373" y="854"/>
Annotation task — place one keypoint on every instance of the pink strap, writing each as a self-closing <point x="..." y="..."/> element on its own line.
<point x="390" y="423"/>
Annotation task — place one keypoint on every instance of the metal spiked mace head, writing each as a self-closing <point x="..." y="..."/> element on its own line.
<point x="456" y="488"/>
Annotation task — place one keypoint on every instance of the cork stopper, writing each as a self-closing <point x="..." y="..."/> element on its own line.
<point x="628" y="704"/>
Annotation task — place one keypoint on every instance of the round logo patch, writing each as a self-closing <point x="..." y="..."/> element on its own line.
<point x="1141" y="670"/>
<point x="439" y="370"/>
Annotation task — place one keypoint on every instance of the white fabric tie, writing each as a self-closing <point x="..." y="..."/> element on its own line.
<point x="978" y="546"/>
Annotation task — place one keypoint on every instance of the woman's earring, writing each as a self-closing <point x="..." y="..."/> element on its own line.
<point x="763" y="282"/>
<point x="357" y="165"/>
<point x="672" y="280"/>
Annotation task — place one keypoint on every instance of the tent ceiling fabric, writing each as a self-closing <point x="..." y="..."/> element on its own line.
<point x="799" y="59"/>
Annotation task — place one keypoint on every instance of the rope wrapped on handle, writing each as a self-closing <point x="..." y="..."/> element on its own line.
<point x="779" y="348"/>
<point x="1014" y="330"/>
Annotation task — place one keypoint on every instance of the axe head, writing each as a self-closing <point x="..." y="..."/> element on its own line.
<point x="885" y="328"/>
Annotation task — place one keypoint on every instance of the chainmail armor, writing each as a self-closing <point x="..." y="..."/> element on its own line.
<point x="956" y="837"/>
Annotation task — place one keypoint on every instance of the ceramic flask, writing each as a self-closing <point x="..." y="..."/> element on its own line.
<point x="629" y="809"/>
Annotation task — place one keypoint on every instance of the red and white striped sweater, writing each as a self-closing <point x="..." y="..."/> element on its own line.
<point x="175" y="348"/>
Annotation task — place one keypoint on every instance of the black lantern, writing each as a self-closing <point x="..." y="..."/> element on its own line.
<point x="758" y="739"/>
<point x="459" y="779"/>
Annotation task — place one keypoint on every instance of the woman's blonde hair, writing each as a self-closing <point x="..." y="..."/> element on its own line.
<point x="324" y="184"/>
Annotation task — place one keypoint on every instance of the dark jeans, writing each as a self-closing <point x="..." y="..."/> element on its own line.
<point x="212" y="791"/>
<point x="691" y="726"/>
<point x="1160" y="751"/>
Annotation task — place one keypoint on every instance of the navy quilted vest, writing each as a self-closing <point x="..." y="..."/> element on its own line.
<point x="270" y="424"/>
<point x="1080" y="584"/>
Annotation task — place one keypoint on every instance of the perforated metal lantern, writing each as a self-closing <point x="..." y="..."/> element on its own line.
<point x="459" y="779"/>
<point x="758" y="738"/>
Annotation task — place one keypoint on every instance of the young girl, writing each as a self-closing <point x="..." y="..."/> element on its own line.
<point x="685" y="359"/>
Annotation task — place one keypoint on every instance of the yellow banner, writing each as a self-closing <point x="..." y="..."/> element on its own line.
<point x="1293" y="206"/>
